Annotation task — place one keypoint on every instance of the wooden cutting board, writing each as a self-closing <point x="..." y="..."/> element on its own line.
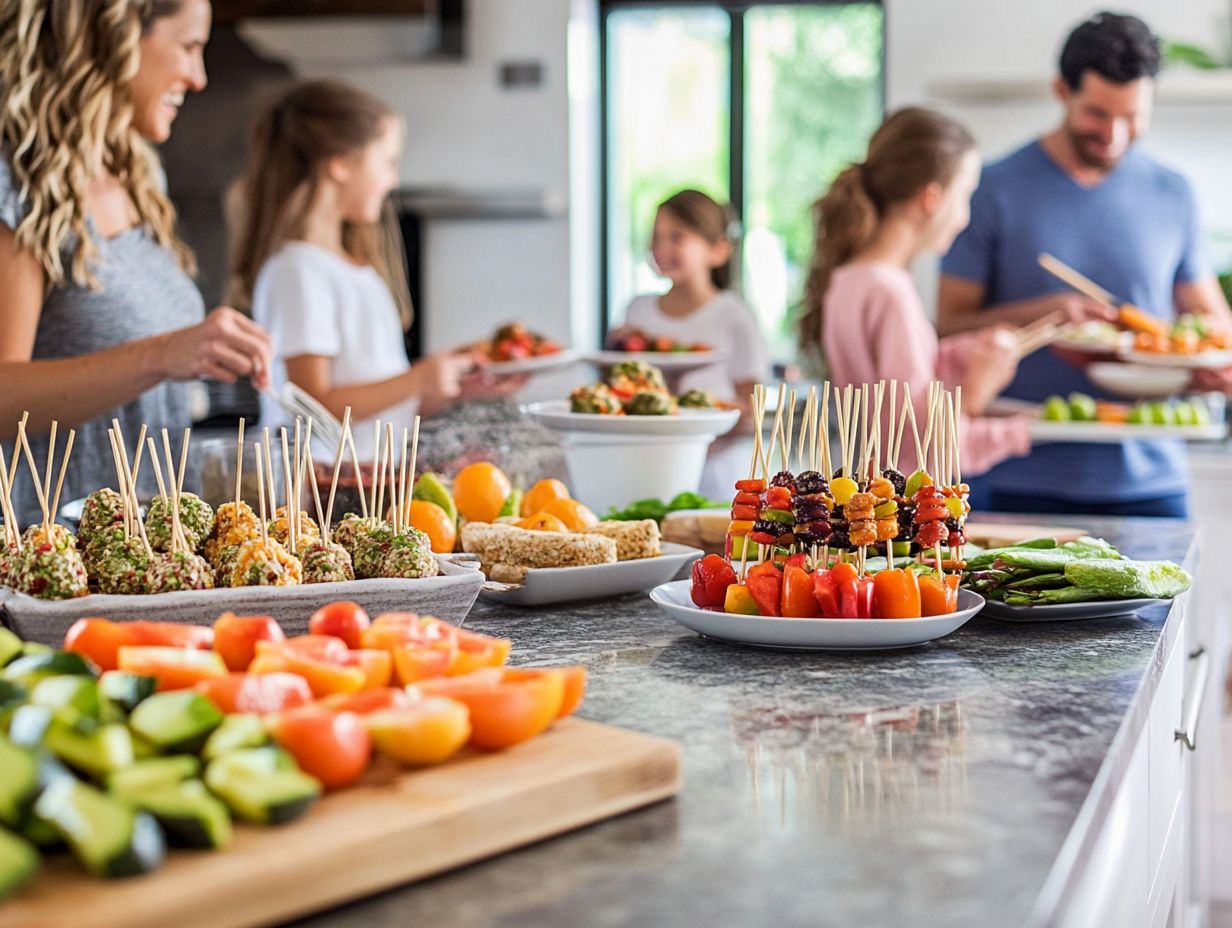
<point x="393" y="828"/>
<point x="1002" y="534"/>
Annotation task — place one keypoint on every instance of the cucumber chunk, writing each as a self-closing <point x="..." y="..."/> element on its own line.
<point x="108" y="837"/>
<point x="19" y="861"/>
<point x="29" y="725"/>
<point x="176" y="721"/>
<point x="19" y="782"/>
<point x="258" y="786"/>
<point x="155" y="772"/>
<point x="82" y="742"/>
<point x="10" y="646"/>
<point x="189" y="814"/>
<point x="30" y="668"/>
<point x="237" y="732"/>
<point x="126" y="689"/>
<point x="81" y="693"/>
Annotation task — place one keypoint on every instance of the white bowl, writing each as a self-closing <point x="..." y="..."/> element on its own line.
<point x="614" y="470"/>
<point x="1138" y="381"/>
<point x="689" y="422"/>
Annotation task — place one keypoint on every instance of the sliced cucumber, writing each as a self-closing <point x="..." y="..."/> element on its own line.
<point x="126" y="689"/>
<point x="236" y="733"/>
<point x="93" y="748"/>
<point x="10" y="646"/>
<point x="12" y="695"/>
<point x="81" y="693"/>
<point x="42" y="834"/>
<point x="258" y="786"/>
<point x="108" y="837"/>
<point x="176" y="721"/>
<point x="189" y="814"/>
<point x="144" y="775"/>
<point x="30" y="668"/>
<point x="19" y="861"/>
<point x="19" y="782"/>
<point x="29" y="725"/>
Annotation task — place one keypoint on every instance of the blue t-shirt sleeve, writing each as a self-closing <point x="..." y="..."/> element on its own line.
<point x="973" y="254"/>
<point x="1195" y="257"/>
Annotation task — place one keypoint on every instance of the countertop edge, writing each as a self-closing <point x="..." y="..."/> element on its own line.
<point x="1052" y="903"/>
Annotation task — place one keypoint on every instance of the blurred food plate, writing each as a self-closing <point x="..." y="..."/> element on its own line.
<point x="1065" y="612"/>
<point x="544" y="585"/>
<point x="1138" y="381"/>
<point x="811" y="634"/>
<point x="1004" y="534"/>
<point x="689" y="421"/>
<point x="1116" y="432"/>
<point x="535" y="365"/>
<point x="672" y="361"/>
<point x="1195" y="361"/>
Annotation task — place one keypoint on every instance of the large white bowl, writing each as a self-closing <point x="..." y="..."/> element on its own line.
<point x="812" y="634"/>
<point x="690" y="422"/>
<point x="1138" y="381"/>
<point x="614" y="470"/>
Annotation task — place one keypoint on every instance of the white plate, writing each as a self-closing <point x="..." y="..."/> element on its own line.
<point x="1064" y="612"/>
<point x="1184" y="361"/>
<point x="811" y="634"/>
<point x="663" y="360"/>
<point x="1138" y="381"/>
<point x="537" y="365"/>
<point x="1095" y="349"/>
<point x="556" y="414"/>
<point x="1117" y="432"/>
<point x="569" y="584"/>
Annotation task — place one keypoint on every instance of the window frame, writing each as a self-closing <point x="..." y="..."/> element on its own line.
<point x="735" y="10"/>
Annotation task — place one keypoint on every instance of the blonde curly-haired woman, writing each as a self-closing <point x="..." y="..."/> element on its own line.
<point x="99" y="316"/>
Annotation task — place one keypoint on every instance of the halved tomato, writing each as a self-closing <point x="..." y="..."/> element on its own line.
<point x="170" y="634"/>
<point x="365" y="701"/>
<point x="174" y="668"/>
<point x="413" y="663"/>
<point x="378" y="666"/>
<point x="505" y="710"/>
<point x="99" y="640"/>
<point x="320" y="661"/>
<point x="343" y="620"/>
<point x="572" y="676"/>
<point x="256" y="692"/>
<point x="427" y="731"/>
<point x="332" y="746"/>
<point x="236" y="637"/>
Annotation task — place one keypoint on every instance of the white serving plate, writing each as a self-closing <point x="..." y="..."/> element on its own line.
<point x="1194" y="361"/>
<point x="663" y="360"/>
<point x="1117" y="432"/>
<point x="811" y="634"/>
<point x="1138" y="381"/>
<point x="546" y="585"/>
<point x="556" y="414"/>
<point x="537" y="365"/>
<point x="1064" y="612"/>
<point x="448" y="596"/>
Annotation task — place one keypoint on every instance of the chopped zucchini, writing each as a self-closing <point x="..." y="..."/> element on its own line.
<point x="29" y="725"/>
<point x="19" y="861"/>
<point x="42" y="834"/>
<point x="90" y="746"/>
<point x="189" y="814"/>
<point x="19" y="782"/>
<point x="126" y="689"/>
<point x="77" y="691"/>
<point x="108" y="837"/>
<point x="30" y="668"/>
<point x="237" y="732"/>
<point x="12" y="695"/>
<point x="262" y="785"/>
<point x="176" y="721"/>
<point x="148" y="774"/>
<point x="10" y="646"/>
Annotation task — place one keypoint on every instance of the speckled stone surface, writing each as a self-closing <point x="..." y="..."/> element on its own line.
<point x="934" y="786"/>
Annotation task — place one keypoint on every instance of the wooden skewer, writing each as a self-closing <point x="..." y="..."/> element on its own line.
<point x="902" y="430"/>
<point x="38" y="485"/>
<point x="957" y="423"/>
<point x="758" y="391"/>
<point x="261" y="491"/>
<point x="158" y="469"/>
<point x="410" y="482"/>
<point x="296" y="486"/>
<point x="68" y="450"/>
<point x="333" y="482"/>
<point x="376" y="466"/>
<point x="49" y="516"/>
<point x="292" y="515"/>
<point x="305" y="468"/>
<point x="11" y="529"/>
<point x="21" y="424"/>
<point x="774" y="432"/>
<point x="130" y="492"/>
<point x="915" y="430"/>
<point x="391" y="477"/>
<point x="359" y="474"/>
<point x="878" y="399"/>
<point x="316" y="492"/>
<point x="126" y="511"/>
<point x="173" y="502"/>
<point x="239" y="468"/>
<point x="791" y="426"/>
<point x="824" y="422"/>
<point x="179" y="489"/>
<point x="269" y="469"/>
<point x="891" y="458"/>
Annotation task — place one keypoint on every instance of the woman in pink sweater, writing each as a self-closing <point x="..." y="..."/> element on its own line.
<point x="911" y="195"/>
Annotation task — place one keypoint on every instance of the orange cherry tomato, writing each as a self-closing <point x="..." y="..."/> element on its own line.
<point x="541" y="494"/>
<point x="99" y="640"/>
<point x="332" y="746"/>
<point x="173" y="668"/>
<point x="434" y="522"/>
<point x="427" y="731"/>
<point x="896" y="595"/>
<point x="413" y="663"/>
<point x="576" y="516"/>
<point x="798" y="600"/>
<point x="345" y="620"/>
<point x="365" y="701"/>
<point x="170" y="634"/>
<point x="504" y="711"/>
<point x="253" y="692"/>
<point x="937" y="598"/>
<point x="236" y="637"/>
<point x="573" y="676"/>
<point x="480" y="491"/>
<point x="378" y="666"/>
<point x="315" y="661"/>
<point x="542" y="522"/>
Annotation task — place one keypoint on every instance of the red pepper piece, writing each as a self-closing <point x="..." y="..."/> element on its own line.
<point x="798" y="599"/>
<point x="864" y="598"/>
<point x="826" y="593"/>
<point x="750" y="486"/>
<point x="712" y="575"/>
<point x="744" y="513"/>
<point x="765" y="585"/>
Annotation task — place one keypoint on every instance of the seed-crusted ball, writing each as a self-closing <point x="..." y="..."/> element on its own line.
<point x="279" y="525"/>
<point x="196" y="520"/>
<point x="119" y="568"/>
<point x="51" y="570"/>
<point x="224" y="565"/>
<point x="36" y="536"/>
<point x="266" y="563"/>
<point x="232" y="527"/>
<point x="409" y="556"/>
<point x="368" y="552"/>
<point x="352" y="527"/>
<point x="102" y="509"/>
<point x="170" y="572"/>
<point x="8" y="559"/>
<point x="650" y="403"/>
<point x="325" y="563"/>
<point x="697" y="399"/>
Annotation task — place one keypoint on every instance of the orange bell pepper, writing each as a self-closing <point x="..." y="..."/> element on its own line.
<point x="896" y="595"/>
<point x="938" y="597"/>
<point x="798" y="599"/>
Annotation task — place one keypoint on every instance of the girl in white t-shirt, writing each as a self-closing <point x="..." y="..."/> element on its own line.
<point x="690" y="246"/>
<point x="322" y="267"/>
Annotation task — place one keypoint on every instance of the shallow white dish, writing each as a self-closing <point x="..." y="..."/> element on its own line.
<point x="811" y="634"/>
<point x="663" y="360"/>
<point x="1138" y="381"/>
<point x="1065" y="612"/>
<point x="448" y="596"/>
<point x="1117" y="432"/>
<point x="1182" y="361"/>
<point x="537" y="365"/>
<point x="568" y="584"/>
<point x="556" y="414"/>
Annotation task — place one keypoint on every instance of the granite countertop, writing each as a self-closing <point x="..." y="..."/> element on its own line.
<point x="931" y="786"/>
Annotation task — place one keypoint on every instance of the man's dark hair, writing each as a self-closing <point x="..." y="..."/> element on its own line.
<point x="1117" y="47"/>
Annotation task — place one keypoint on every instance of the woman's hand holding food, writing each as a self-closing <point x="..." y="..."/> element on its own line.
<point x="438" y="379"/>
<point x="992" y="360"/>
<point x="225" y="346"/>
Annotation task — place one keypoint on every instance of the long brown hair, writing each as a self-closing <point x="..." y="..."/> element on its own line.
<point x="310" y="124"/>
<point x="709" y="219"/>
<point x="66" y="67"/>
<point x="913" y="148"/>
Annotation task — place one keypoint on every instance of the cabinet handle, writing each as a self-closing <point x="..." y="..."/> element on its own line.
<point x="1196" y="696"/>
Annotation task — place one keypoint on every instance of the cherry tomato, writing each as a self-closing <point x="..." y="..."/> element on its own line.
<point x="505" y="710"/>
<point x="365" y="701"/>
<point x="99" y="640"/>
<point x="256" y="692"/>
<point x="332" y="746"/>
<point x="236" y="637"/>
<point x="427" y="731"/>
<point x="712" y="575"/>
<point x="345" y="620"/>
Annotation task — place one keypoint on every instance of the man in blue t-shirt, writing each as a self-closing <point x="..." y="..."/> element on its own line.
<point x="1085" y="194"/>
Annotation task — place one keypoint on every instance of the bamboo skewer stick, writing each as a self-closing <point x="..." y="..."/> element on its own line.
<point x="296" y="475"/>
<point x="333" y="480"/>
<point x="823" y="422"/>
<point x="239" y="468"/>
<point x="170" y="458"/>
<point x="21" y="425"/>
<point x="291" y="511"/>
<point x="269" y="470"/>
<point x="790" y="430"/>
<point x="38" y="485"/>
<point x="359" y="475"/>
<point x="774" y="432"/>
<point x="261" y="490"/>
<point x="915" y="432"/>
<point x="391" y="478"/>
<point x="126" y="509"/>
<point x="11" y="529"/>
<point x="68" y="450"/>
<point x="376" y="467"/>
<point x="49" y="516"/>
<point x="316" y="492"/>
<point x="410" y="480"/>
